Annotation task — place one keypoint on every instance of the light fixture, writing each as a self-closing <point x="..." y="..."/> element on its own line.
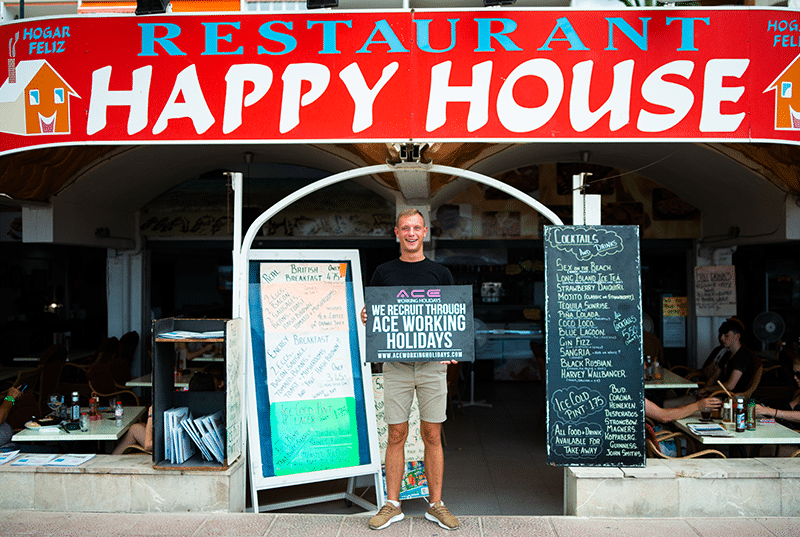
<point x="489" y="3"/>
<point x="148" y="7"/>
<point x="316" y="4"/>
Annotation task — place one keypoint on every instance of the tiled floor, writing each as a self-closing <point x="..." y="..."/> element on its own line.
<point x="19" y="523"/>
<point x="495" y="460"/>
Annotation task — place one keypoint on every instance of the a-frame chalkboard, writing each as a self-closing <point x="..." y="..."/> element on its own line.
<point x="595" y="388"/>
<point x="310" y="409"/>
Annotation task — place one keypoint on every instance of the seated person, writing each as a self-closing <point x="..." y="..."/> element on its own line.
<point x="6" y="431"/>
<point x="666" y="415"/>
<point x="140" y="434"/>
<point x="216" y="370"/>
<point x="673" y="448"/>
<point x="202" y="382"/>
<point x="12" y="398"/>
<point x="738" y="367"/>
<point x="712" y="367"/>
<point x="787" y="414"/>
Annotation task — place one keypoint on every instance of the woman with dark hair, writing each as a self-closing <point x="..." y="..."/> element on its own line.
<point x="787" y="413"/>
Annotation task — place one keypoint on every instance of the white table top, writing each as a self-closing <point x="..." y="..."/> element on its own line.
<point x="669" y="380"/>
<point x="146" y="381"/>
<point x="765" y="433"/>
<point x="105" y="429"/>
<point x="212" y="358"/>
<point x="73" y="356"/>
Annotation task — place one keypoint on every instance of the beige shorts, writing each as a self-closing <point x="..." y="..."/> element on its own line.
<point x="429" y="379"/>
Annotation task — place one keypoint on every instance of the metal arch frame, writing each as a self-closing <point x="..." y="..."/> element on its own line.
<point x="242" y="248"/>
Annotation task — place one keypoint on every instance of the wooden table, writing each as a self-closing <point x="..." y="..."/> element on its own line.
<point x="99" y="430"/>
<point x="146" y="381"/>
<point x="669" y="380"/>
<point x="764" y="435"/>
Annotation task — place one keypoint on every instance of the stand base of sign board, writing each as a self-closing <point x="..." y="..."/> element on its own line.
<point x="472" y="401"/>
<point x="349" y="496"/>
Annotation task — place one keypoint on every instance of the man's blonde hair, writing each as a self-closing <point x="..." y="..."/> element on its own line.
<point x="409" y="212"/>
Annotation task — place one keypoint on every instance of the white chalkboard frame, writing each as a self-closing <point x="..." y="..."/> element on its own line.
<point x="371" y="468"/>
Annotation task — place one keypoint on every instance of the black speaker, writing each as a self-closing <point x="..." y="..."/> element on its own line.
<point x="314" y="4"/>
<point x="148" y="7"/>
<point x="487" y="3"/>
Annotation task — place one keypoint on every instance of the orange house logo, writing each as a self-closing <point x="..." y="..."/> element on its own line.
<point x="787" y="101"/>
<point x="34" y="100"/>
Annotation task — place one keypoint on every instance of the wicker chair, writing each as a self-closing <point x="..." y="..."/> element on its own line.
<point x="653" y="440"/>
<point x="754" y="382"/>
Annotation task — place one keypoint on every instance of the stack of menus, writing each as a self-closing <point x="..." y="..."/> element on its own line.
<point x="184" y="435"/>
<point x="595" y="390"/>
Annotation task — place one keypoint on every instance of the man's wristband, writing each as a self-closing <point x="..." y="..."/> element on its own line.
<point x="9" y="398"/>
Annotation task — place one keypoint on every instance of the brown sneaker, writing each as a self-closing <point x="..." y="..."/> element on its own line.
<point x="439" y="514"/>
<point x="387" y="515"/>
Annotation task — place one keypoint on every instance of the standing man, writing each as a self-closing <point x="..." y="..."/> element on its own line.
<point x="401" y="379"/>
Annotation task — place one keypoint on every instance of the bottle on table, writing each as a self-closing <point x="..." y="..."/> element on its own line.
<point x="750" y="420"/>
<point x="727" y="414"/>
<point x="84" y="422"/>
<point x="118" y="413"/>
<point x="94" y="407"/>
<point x="740" y="415"/>
<point x="75" y="409"/>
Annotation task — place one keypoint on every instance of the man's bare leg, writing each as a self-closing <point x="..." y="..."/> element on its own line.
<point x="395" y="460"/>
<point x="434" y="458"/>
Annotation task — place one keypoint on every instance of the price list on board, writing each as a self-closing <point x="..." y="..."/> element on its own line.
<point x="595" y="394"/>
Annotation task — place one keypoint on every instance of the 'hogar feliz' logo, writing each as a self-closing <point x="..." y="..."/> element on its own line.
<point x="787" y="101"/>
<point x="34" y="99"/>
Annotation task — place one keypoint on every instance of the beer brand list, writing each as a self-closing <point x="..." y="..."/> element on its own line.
<point x="594" y="371"/>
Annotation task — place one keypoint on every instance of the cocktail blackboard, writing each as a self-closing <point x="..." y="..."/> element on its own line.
<point x="595" y="391"/>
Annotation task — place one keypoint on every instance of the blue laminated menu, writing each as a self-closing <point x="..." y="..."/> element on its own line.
<point x="708" y="429"/>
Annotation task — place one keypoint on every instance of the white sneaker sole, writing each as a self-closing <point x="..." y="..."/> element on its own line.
<point x="434" y="519"/>
<point x="395" y="518"/>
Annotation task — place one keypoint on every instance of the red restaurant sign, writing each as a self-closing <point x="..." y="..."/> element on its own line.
<point x="491" y="75"/>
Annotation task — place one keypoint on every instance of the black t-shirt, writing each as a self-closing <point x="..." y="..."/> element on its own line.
<point x="398" y="273"/>
<point x="741" y="361"/>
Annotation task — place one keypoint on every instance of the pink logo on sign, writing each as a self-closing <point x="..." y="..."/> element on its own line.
<point x="420" y="293"/>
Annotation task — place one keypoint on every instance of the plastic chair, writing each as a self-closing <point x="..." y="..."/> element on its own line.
<point x="653" y="442"/>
